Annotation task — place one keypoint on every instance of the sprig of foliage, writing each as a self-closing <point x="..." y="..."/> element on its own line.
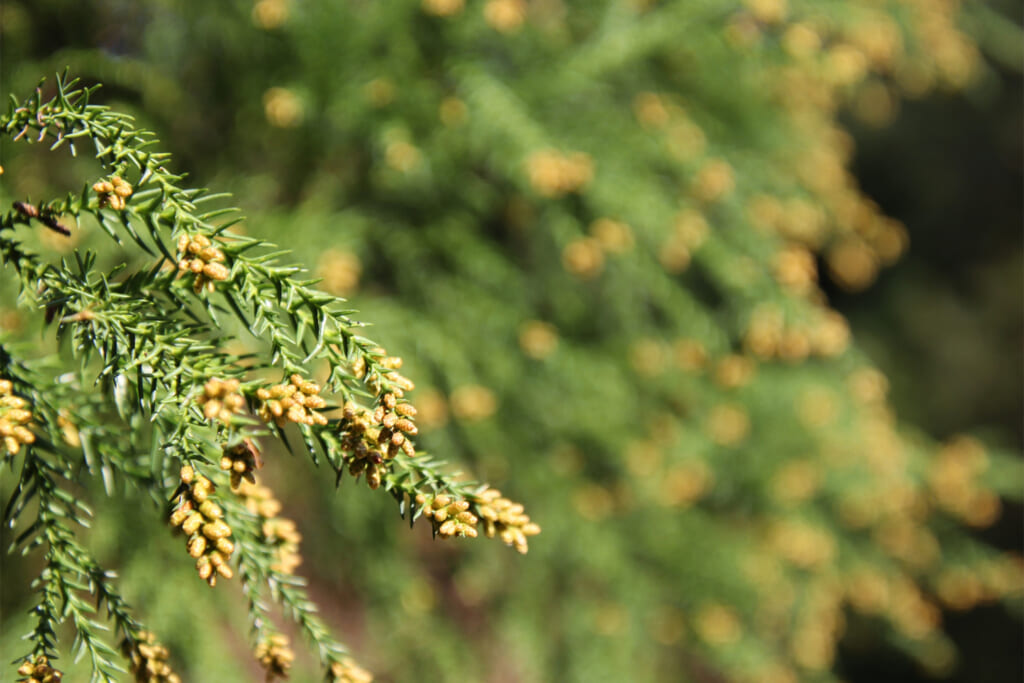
<point x="152" y="334"/>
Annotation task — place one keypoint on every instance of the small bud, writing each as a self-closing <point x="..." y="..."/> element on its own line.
<point x="216" y="530"/>
<point x="192" y="523"/>
<point x="373" y="476"/>
<point x="178" y="516"/>
<point x="216" y="271"/>
<point x="211" y="409"/>
<point x="205" y="567"/>
<point x="196" y="546"/>
<point x="211" y="510"/>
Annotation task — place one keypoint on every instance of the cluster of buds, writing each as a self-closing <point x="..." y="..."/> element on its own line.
<point x="199" y="256"/>
<point x="505" y="519"/>
<point x="347" y="671"/>
<point x="221" y="400"/>
<point x="148" y="659"/>
<point x="14" y="416"/>
<point x="37" y="669"/>
<point x="450" y="517"/>
<point x="278" y="532"/>
<point x="241" y="461"/>
<point x="282" y="534"/>
<point x="294" y="401"/>
<point x="259" y="500"/>
<point x="276" y="656"/>
<point x="201" y="520"/>
<point x="371" y="438"/>
<point x="113" y="192"/>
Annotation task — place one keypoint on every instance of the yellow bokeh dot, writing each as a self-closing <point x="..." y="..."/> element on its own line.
<point x="505" y="16"/>
<point x="270" y="14"/>
<point x="339" y="271"/>
<point x="538" y="339"/>
<point x="615" y="237"/>
<point x="473" y="402"/>
<point x="728" y="424"/>
<point x="283" y="108"/>
<point x="718" y="625"/>
<point x="443" y="8"/>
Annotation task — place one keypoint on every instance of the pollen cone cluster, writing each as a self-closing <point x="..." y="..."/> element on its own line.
<point x="199" y="256"/>
<point x="505" y="519"/>
<point x="294" y="401"/>
<point x="242" y="461"/>
<point x="113" y="192"/>
<point x="449" y="516"/>
<point x="14" y="419"/>
<point x="149" y="660"/>
<point x="201" y="520"/>
<point x="37" y="669"/>
<point x="370" y="438"/>
<point x="276" y="656"/>
<point x="347" y="671"/>
<point x="221" y="400"/>
<point x="279" y="533"/>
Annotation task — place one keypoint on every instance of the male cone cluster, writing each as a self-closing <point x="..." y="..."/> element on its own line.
<point x="113" y="192"/>
<point x="279" y="533"/>
<point x="221" y="400"/>
<point x="14" y="418"/>
<point x="149" y="659"/>
<point x="294" y="401"/>
<point x="241" y="461"/>
<point x="372" y="438"/>
<point x="201" y="520"/>
<point x="450" y="517"/>
<point x="199" y="256"/>
<point x="505" y="519"/>
<point x="276" y="656"/>
<point x="37" y="669"/>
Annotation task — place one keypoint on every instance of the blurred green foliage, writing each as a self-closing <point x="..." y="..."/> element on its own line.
<point x="593" y="231"/>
